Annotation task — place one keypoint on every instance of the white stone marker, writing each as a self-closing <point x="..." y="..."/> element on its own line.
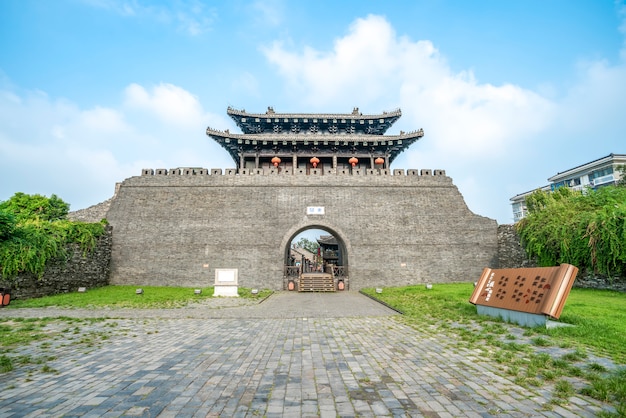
<point x="226" y="282"/>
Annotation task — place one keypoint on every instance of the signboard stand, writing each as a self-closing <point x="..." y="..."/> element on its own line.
<point x="226" y="283"/>
<point x="525" y="296"/>
<point x="521" y="318"/>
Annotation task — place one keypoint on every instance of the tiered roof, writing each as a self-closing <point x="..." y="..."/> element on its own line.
<point x="271" y="122"/>
<point x="342" y="134"/>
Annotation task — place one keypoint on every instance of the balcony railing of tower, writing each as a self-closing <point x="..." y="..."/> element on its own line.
<point x="289" y="136"/>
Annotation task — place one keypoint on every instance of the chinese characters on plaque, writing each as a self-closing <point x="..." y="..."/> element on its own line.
<point x="539" y="290"/>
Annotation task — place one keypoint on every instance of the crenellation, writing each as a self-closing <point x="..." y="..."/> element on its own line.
<point x="421" y="222"/>
<point x="333" y="174"/>
<point x="288" y="171"/>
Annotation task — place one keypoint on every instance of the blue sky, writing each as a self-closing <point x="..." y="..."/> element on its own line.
<point x="508" y="92"/>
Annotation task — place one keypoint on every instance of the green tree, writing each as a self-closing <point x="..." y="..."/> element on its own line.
<point x="308" y="245"/>
<point x="540" y="199"/>
<point x="587" y="230"/>
<point x="7" y="225"/>
<point x="25" y="207"/>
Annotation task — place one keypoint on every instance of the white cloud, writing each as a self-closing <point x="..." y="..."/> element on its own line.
<point x="596" y="102"/>
<point x="170" y="103"/>
<point x="360" y="63"/>
<point x="371" y="65"/>
<point x="487" y="137"/>
<point x="53" y="146"/>
<point x="268" y="12"/>
<point x="123" y="8"/>
<point x="191" y="17"/>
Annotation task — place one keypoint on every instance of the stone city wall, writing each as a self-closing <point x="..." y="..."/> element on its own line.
<point x="175" y="227"/>
<point x="81" y="270"/>
<point x="93" y="269"/>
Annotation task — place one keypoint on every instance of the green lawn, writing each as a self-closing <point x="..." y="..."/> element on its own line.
<point x="599" y="316"/>
<point x="600" y="328"/>
<point x="125" y="297"/>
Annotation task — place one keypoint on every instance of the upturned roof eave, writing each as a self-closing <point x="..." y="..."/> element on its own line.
<point x="396" y="113"/>
<point x="315" y="137"/>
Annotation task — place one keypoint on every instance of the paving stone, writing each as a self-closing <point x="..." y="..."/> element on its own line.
<point x="295" y="354"/>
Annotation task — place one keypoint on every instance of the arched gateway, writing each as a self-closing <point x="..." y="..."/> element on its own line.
<point x="330" y="269"/>
<point x="294" y="172"/>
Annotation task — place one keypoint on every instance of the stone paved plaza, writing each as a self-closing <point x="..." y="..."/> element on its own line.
<point x="294" y="355"/>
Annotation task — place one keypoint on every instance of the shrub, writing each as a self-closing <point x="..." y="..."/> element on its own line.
<point x="25" y="207"/>
<point x="33" y="231"/>
<point x="7" y="224"/>
<point x="584" y="229"/>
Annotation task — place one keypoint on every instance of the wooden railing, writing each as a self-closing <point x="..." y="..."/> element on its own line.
<point x="340" y="271"/>
<point x="292" y="272"/>
<point x="336" y="273"/>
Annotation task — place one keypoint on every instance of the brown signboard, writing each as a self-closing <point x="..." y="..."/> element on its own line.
<point x="539" y="290"/>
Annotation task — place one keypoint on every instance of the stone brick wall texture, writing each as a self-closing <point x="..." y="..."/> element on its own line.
<point x="175" y="230"/>
<point x="511" y="254"/>
<point x="395" y="229"/>
<point x="81" y="270"/>
<point x="93" y="213"/>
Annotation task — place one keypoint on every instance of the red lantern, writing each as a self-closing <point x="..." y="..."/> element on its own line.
<point x="315" y="161"/>
<point x="379" y="161"/>
<point x="353" y="161"/>
<point x="275" y="161"/>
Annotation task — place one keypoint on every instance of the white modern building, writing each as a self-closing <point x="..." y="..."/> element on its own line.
<point x="594" y="174"/>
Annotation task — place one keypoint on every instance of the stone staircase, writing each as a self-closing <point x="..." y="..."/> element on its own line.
<point x="316" y="282"/>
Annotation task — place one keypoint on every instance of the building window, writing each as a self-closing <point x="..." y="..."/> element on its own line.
<point x="601" y="173"/>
